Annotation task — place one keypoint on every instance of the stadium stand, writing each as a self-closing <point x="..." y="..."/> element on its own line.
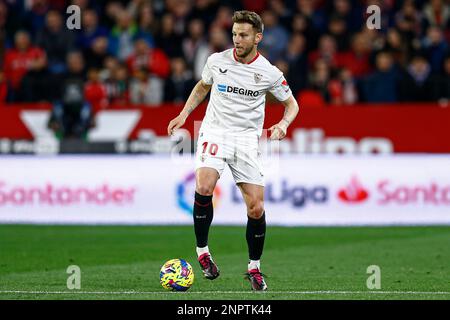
<point x="152" y="51"/>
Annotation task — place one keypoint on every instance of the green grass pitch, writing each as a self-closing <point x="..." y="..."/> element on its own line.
<point x="123" y="262"/>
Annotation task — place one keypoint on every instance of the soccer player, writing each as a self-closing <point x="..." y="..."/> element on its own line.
<point x="238" y="79"/>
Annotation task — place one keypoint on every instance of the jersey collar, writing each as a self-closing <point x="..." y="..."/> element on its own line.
<point x="235" y="57"/>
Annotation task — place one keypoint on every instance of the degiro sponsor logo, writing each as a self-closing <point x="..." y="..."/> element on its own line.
<point x="186" y="192"/>
<point x="297" y="195"/>
<point x="230" y="89"/>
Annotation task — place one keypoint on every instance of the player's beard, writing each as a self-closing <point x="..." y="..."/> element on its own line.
<point x="245" y="54"/>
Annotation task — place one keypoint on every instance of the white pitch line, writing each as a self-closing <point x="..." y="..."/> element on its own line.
<point x="225" y="292"/>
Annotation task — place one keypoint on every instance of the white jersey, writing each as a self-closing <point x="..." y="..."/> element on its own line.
<point x="238" y="92"/>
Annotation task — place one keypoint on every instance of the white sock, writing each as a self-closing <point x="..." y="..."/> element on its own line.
<point x="201" y="251"/>
<point x="254" y="264"/>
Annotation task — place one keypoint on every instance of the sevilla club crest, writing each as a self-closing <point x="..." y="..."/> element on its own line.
<point x="257" y="77"/>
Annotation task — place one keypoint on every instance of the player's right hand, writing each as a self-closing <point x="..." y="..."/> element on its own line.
<point x="175" y="124"/>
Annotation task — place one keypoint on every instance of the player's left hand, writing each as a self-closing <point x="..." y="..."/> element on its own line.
<point x="277" y="131"/>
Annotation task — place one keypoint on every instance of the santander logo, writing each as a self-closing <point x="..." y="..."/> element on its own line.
<point x="354" y="192"/>
<point x="65" y="195"/>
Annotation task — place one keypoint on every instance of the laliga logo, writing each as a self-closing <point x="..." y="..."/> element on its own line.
<point x="354" y="192"/>
<point x="185" y="194"/>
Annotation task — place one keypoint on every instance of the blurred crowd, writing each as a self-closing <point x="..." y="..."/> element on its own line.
<point x="153" y="51"/>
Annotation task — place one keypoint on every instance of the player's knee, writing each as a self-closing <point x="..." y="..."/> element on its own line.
<point x="255" y="209"/>
<point x="205" y="189"/>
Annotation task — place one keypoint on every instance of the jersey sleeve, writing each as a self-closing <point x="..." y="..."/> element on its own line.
<point x="280" y="89"/>
<point x="207" y="75"/>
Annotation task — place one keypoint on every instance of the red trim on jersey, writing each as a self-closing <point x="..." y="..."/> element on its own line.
<point x="236" y="58"/>
<point x="256" y="57"/>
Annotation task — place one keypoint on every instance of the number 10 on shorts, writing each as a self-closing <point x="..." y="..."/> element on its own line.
<point x="212" y="148"/>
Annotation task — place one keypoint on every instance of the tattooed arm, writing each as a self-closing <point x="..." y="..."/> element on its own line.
<point x="278" y="131"/>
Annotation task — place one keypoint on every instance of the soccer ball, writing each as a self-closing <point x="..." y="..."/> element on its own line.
<point x="176" y="275"/>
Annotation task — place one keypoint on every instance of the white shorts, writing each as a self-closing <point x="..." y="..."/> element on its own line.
<point x="241" y="153"/>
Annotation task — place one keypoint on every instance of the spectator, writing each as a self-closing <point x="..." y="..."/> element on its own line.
<point x="194" y="42"/>
<point x="10" y="23"/>
<point x="407" y="21"/>
<point x="180" y="10"/>
<point x="218" y="41"/>
<point x="2" y="40"/>
<point x="167" y="39"/>
<point x="110" y="64"/>
<point x="436" y="13"/>
<point x="95" y="91"/>
<point x="35" y="87"/>
<point x="352" y="15"/>
<point x="123" y="35"/>
<point x="349" y="87"/>
<point x="134" y="7"/>
<point x="82" y="4"/>
<point x="343" y="90"/>
<point x="444" y="81"/>
<point x="145" y="88"/>
<point x="319" y="78"/>
<point x="375" y="38"/>
<point x="19" y="60"/>
<point x="71" y="115"/>
<point x="316" y="16"/>
<point x="111" y="10"/>
<point x="179" y="85"/>
<point x="275" y="37"/>
<point x="223" y="18"/>
<point x="356" y="60"/>
<point x="256" y="6"/>
<point x="326" y="51"/>
<point x="153" y="59"/>
<point x="35" y="16"/>
<point x="295" y="56"/>
<point x="397" y="46"/>
<point x="56" y="40"/>
<point x="90" y="30"/>
<point x="381" y="85"/>
<point x="303" y="25"/>
<point x="417" y="82"/>
<point x="3" y="87"/>
<point x="96" y="54"/>
<point x="204" y="10"/>
<point x="435" y="48"/>
<point x="146" y="20"/>
<point x="337" y="28"/>
<point x="117" y="86"/>
<point x="283" y="12"/>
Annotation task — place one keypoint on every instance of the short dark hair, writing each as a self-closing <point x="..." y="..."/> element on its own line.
<point x="250" y="17"/>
